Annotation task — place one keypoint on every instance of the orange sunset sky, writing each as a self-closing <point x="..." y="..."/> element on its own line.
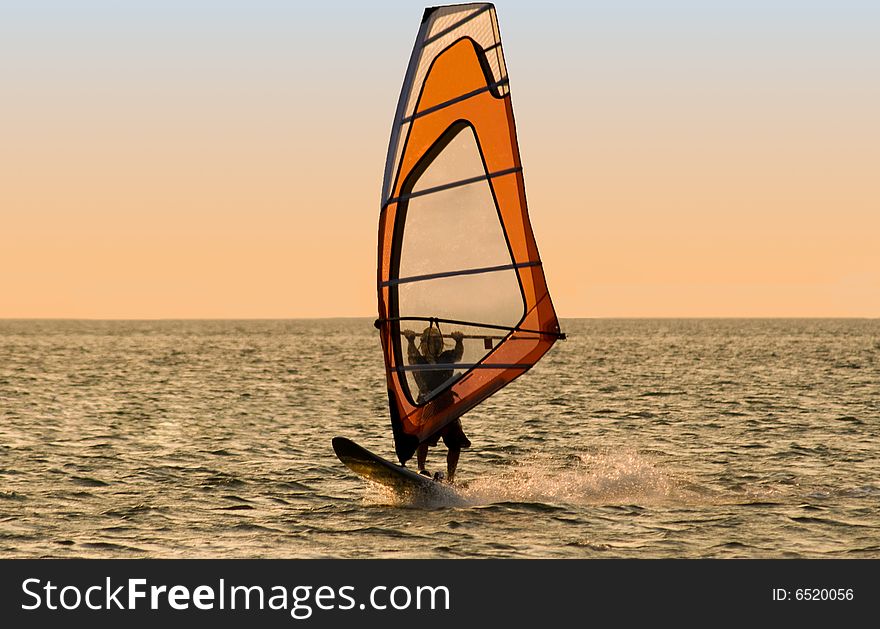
<point x="224" y="159"/>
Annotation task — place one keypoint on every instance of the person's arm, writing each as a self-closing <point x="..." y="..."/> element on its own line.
<point x="459" y="346"/>
<point x="412" y="352"/>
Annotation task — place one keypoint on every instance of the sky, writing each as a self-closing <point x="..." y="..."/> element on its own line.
<point x="219" y="159"/>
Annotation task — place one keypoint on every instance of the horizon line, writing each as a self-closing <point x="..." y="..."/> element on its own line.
<point x="338" y="317"/>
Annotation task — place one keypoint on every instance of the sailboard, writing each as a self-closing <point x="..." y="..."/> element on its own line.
<point x="456" y="247"/>
<point x="373" y="467"/>
<point x="457" y="259"/>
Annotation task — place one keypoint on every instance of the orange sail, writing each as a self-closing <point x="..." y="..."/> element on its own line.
<point x="463" y="303"/>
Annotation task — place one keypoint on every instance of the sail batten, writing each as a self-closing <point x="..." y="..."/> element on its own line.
<point x="457" y="99"/>
<point x="435" y="276"/>
<point x="461" y="22"/>
<point x="463" y="302"/>
<point x="455" y="184"/>
<point x="445" y="366"/>
<point x="560" y="335"/>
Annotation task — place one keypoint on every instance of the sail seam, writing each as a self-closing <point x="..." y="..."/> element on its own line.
<point x="452" y="101"/>
<point x="454" y="184"/>
<point x="434" y="276"/>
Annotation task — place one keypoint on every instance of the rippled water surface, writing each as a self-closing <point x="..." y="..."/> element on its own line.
<point x="633" y="438"/>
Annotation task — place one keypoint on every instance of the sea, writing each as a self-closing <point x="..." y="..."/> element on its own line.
<point x="666" y="438"/>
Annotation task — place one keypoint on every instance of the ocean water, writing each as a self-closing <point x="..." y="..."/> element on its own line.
<point x="633" y="438"/>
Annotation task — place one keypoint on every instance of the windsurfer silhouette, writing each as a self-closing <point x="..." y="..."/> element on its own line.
<point x="430" y="351"/>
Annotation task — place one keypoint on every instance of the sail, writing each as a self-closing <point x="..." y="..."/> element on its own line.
<point x="458" y="262"/>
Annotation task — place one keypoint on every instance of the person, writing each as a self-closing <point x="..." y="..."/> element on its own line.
<point x="430" y="351"/>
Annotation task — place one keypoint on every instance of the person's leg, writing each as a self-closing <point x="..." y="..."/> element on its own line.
<point x="422" y="456"/>
<point x="452" y="462"/>
<point x="455" y="440"/>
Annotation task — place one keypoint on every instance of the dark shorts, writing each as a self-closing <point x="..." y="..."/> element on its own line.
<point x="453" y="436"/>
